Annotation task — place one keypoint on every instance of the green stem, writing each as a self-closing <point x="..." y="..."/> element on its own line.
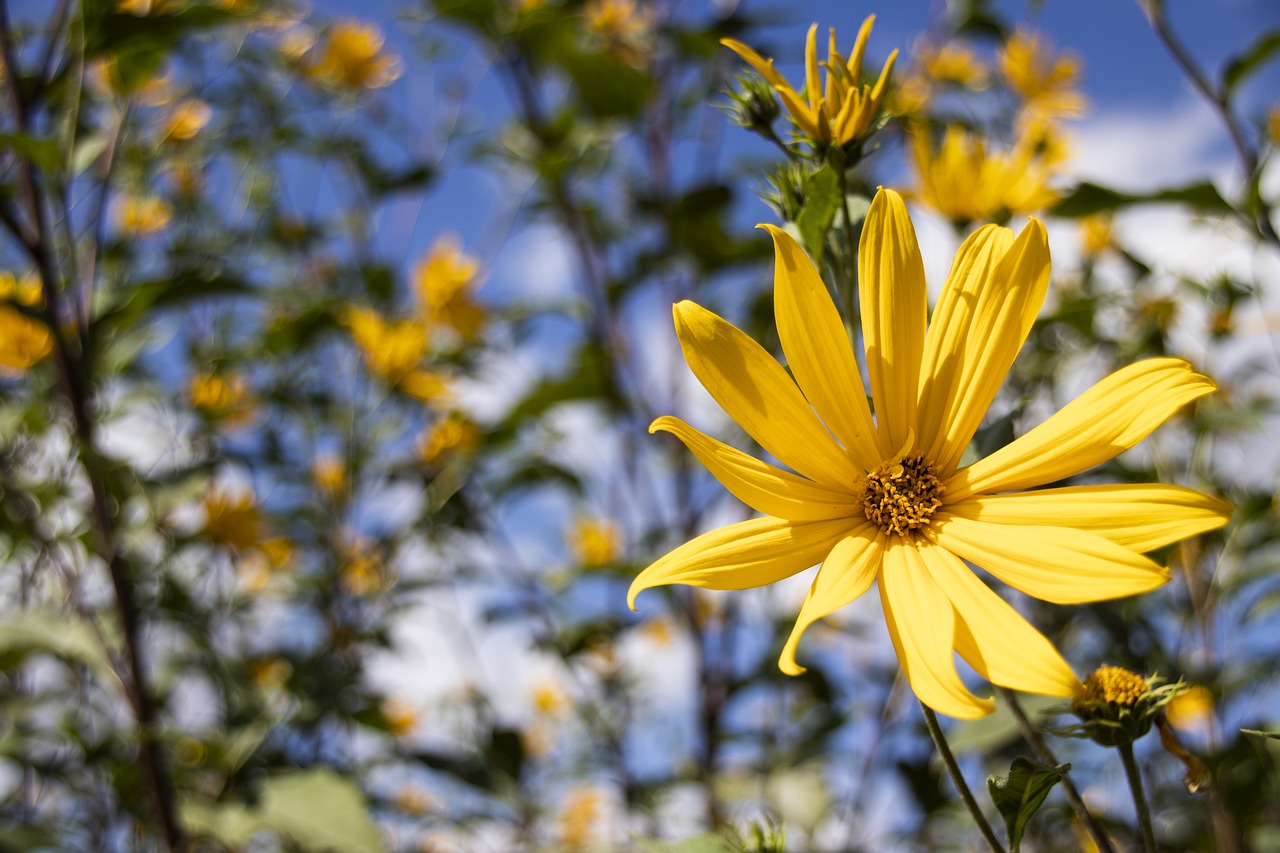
<point x="850" y="282"/>
<point x="935" y="732"/>
<point x="1139" y="798"/>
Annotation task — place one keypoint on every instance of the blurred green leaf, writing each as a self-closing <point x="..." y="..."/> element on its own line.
<point x="1257" y="55"/>
<point x="606" y="87"/>
<point x="1020" y="794"/>
<point x="16" y="839"/>
<point x="821" y="200"/>
<point x="41" y="153"/>
<point x="999" y="728"/>
<point x="55" y="633"/>
<point x="705" y="843"/>
<point x="1088" y="199"/>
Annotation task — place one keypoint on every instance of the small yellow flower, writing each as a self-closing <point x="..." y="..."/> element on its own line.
<point x="278" y="552"/>
<point x="414" y="801"/>
<point x="139" y="215"/>
<point x="659" y="631"/>
<point x="1045" y="83"/>
<point x="1095" y="234"/>
<point x="362" y="572"/>
<point x="1111" y="685"/>
<point x="400" y="715"/>
<point x="1190" y="710"/>
<point x="351" y="57"/>
<point x="842" y="113"/>
<point x="594" y="542"/>
<point x="965" y="182"/>
<point x="953" y="62"/>
<point x="232" y="520"/>
<point x="580" y="818"/>
<point x="549" y="699"/>
<point x="329" y="473"/>
<point x="187" y="120"/>
<point x="268" y="672"/>
<point x="910" y="96"/>
<point x="623" y="26"/>
<point x="24" y="340"/>
<point x="450" y="436"/>
<point x="222" y="397"/>
<point x="393" y="352"/>
<point x="444" y="280"/>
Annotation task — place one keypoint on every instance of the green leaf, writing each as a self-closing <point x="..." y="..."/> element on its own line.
<point x="705" y="843"/>
<point x="606" y="87"/>
<point x="317" y="809"/>
<point x="46" y="631"/>
<point x="1240" y="67"/>
<point x="1020" y="794"/>
<point x="821" y="201"/>
<point x="1088" y="199"/>
<point x="41" y="153"/>
<point x="1259" y="733"/>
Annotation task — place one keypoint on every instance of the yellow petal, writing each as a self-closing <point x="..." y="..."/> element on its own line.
<point x="424" y="385"/>
<point x="1112" y="416"/>
<point x="922" y="625"/>
<point x="818" y="350"/>
<point x="743" y="555"/>
<point x="992" y="637"/>
<point x="755" y="391"/>
<point x="846" y="574"/>
<point x="758" y="484"/>
<point x="893" y="297"/>
<point x="859" y="50"/>
<point x="1139" y="517"/>
<point x="812" y="87"/>
<point x="948" y="338"/>
<point x="764" y="67"/>
<point x="1054" y="564"/>
<point x="808" y="120"/>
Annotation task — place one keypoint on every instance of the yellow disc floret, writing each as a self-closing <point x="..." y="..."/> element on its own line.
<point x="1113" y="685"/>
<point x="902" y="494"/>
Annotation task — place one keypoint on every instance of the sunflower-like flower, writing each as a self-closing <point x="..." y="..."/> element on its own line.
<point x="1044" y="81"/>
<point x="843" y="112"/>
<point x="884" y="500"/>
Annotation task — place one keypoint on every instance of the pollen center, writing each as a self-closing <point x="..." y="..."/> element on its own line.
<point x="901" y="495"/>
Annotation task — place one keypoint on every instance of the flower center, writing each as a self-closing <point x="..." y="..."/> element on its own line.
<point x="901" y="495"/>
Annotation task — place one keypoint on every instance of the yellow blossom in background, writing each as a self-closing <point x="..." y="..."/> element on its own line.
<point x="351" y="57"/>
<point x="329" y="473"/>
<point x="549" y="699"/>
<point x="232" y="519"/>
<point x="393" y="352"/>
<point x="268" y="672"/>
<point x="444" y="281"/>
<point x="594" y="542"/>
<point x="24" y="340"/>
<point x="1095" y="234"/>
<point x="142" y="8"/>
<point x="1190" y="710"/>
<point x="187" y="120"/>
<point x="278" y="552"/>
<point x="414" y="801"/>
<point x="966" y="182"/>
<point x="222" y="397"/>
<point x="580" y="818"/>
<point x="885" y="500"/>
<point x="187" y="178"/>
<point x="659" y="631"/>
<point x="953" y="62"/>
<point x="139" y="215"/>
<point x="528" y="5"/>
<point x="362" y="571"/>
<point x="450" y="436"/>
<point x="910" y="95"/>
<point x="1112" y="685"/>
<point x="400" y="715"/>
<point x="1044" y="82"/>
<point x="843" y="112"/>
<point x="623" y="26"/>
<point x="296" y="41"/>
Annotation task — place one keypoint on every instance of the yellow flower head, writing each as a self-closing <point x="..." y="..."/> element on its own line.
<point x="1190" y="710"/>
<point x="233" y="520"/>
<point x="953" y="62"/>
<point x="965" y="182"/>
<point x="1044" y="82"/>
<point x="187" y="120"/>
<point x="1095" y="234"/>
<point x="594" y="542"/>
<point x="1112" y="685"/>
<point x="362" y="571"/>
<point x="580" y="818"/>
<point x="222" y="397"/>
<point x="445" y="279"/>
<point x="393" y="350"/>
<point x="329" y="473"/>
<point x="623" y="26"/>
<point x="351" y="57"/>
<point x="884" y="500"/>
<point x="139" y="215"/>
<point x="24" y="340"/>
<point x="843" y="112"/>
<point x="400" y="715"/>
<point x="453" y="435"/>
<point x="549" y="699"/>
<point x="268" y="672"/>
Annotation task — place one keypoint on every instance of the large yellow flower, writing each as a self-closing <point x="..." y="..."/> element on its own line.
<point x="883" y="500"/>
<point x="841" y="113"/>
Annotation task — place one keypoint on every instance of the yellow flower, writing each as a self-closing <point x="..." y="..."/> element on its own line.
<point x="623" y="26"/>
<point x="580" y="818"/>
<point x="414" y="801"/>
<point x="885" y="500"/>
<point x="233" y="520"/>
<point x="351" y="57"/>
<point x="222" y="397"/>
<point x="1111" y="685"/>
<point x="966" y="183"/>
<point x="445" y="280"/>
<point x="187" y="120"/>
<point x="594" y="542"/>
<point x="549" y="699"/>
<point x="449" y="436"/>
<point x="953" y="62"/>
<point x="268" y="672"/>
<point x="24" y="340"/>
<point x="138" y="215"/>
<point x="1045" y="83"/>
<point x="401" y="716"/>
<point x="393" y="350"/>
<point x="1095" y="234"/>
<point x="843" y="112"/>
<point x="362" y="569"/>
<point x="329" y="472"/>
<point x="1190" y="710"/>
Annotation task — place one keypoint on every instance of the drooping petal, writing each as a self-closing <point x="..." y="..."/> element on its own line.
<point x="948" y="339"/>
<point x="992" y="637"/>
<point x="893" y="299"/>
<point x="743" y="555"/>
<point x="757" y="393"/>
<point x="758" y="484"/>
<point x="818" y="350"/>
<point x="922" y="625"/>
<point x="764" y="67"/>
<point x="1054" y="564"/>
<point x="1140" y="517"/>
<point x="846" y="573"/>
<point x="1109" y="418"/>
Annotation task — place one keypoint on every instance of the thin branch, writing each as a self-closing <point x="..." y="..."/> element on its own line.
<point x="953" y="769"/>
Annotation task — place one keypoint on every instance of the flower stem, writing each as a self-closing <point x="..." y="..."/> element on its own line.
<point x="1139" y="798"/>
<point x="1045" y="754"/>
<point x="939" y="741"/>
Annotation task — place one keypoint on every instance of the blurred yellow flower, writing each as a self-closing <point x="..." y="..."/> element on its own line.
<point x="24" y="340"/>
<point x="329" y="473"/>
<point x="966" y="183"/>
<point x="658" y="631"/>
<point x="142" y="8"/>
<point x="401" y="716"/>
<point x="186" y="120"/>
<point x="1044" y="82"/>
<point x="138" y="215"/>
<point x="594" y="542"/>
<point x="623" y="26"/>
<point x="454" y="434"/>
<point x="232" y="519"/>
<point x="414" y="801"/>
<point x="222" y="397"/>
<point x="362" y="571"/>
<point x="1190" y="710"/>
<point x="549" y="699"/>
<point x="268" y="672"/>
<point x="953" y="62"/>
<point x="393" y="352"/>
<point x="351" y="57"/>
<point x="296" y="41"/>
<point x="444" y="281"/>
<point x="843" y="113"/>
<point x="1095" y="234"/>
<point x="580" y="817"/>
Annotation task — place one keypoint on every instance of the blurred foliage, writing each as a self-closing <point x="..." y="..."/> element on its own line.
<point x="249" y="448"/>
